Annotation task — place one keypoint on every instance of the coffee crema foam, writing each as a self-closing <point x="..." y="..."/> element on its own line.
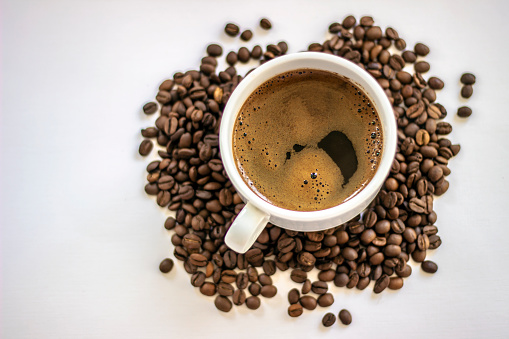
<point x="307" y="140"/>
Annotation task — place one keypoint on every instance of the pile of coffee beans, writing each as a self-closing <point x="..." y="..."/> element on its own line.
<point x="372" y="249"/>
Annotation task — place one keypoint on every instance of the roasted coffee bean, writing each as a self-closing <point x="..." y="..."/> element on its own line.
<point x="231" y="58"/>
<point x="208" y="289"/>
<point x="328" y="319"/>
<point x="223" y="303"/>
<point x="246" y="35"/>
<point x="345" y="317"/>
<point x="256" y="52"/>
<point x="298" y="275"/>
<point x="325" y="300"/>
<point x="341" y="279"/>
<point x="252" y="274"/>
<point x="421" y="49"/>
<point x="467" y="91"/>
<point x="145" y="147"/>
<point x="422" y="66"/>
<point x="265" y="23"/>
<point x="395" y="283"/>
<point x="232" y="29"/>
<point x="435" y="83"/>
<point x="149" y="132"/>
<point x="464" y="112"/>
<point x="253" y="302"/>
<point x="308" y="302"/>
<point x="255" y="289"/>
<point x="264" y="279"/>
<point x="349" y="22"/>
<point x="242" y="280"/>
<point x="293" y="296"/>
<point x="166" y="265"/>
<point x="268" y="291"/>
<point x="306" y="286"/>
<point x="381" y="284"/>
<point x="409" y="56"/>
<point x="367" y="21"/>
<point x="283" y="46"/>
<point x="243" y="54"/>
<point x="429" y="266"/>
<point x="198" y="279"/>
<point x="225" y="289"/>
<point x="306" y="259"/>
<point x="295" y="310"/>
<point x="150" y="108"/>
<point x="170" y="223"/>
<point x="467" y="79"/>
<point x="239" y="297"/>
<point x="214" y="50"/>
<point x="198" y="259"/>
<point x="319" y="287"/>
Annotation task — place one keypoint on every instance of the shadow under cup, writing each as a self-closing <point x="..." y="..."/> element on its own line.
<point x="306" y="220"/>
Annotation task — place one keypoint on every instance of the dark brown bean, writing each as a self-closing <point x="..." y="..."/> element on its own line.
<point x="246" y="35"/>
<point x="345" y="317"/>
<point x="295" y="310"/>
<point x="166" y="265"/>
<point x="429" y="266"/>
<point x="467" y="79"/>
<point x="467" y="91"/>
<point x="421" y="49"/>
<point x="232" y="29"/>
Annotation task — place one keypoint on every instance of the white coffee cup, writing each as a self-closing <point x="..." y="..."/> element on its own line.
<point x="253" y="218"/>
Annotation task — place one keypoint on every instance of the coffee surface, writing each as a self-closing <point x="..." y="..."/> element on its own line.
<point x="307" y="140"/>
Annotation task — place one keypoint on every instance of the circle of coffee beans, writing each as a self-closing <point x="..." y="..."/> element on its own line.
<point x="189" y="179"/>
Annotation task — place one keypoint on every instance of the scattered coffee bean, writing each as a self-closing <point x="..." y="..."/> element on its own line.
<point x="232" y="29"/>
<point x="429" y="266"/>
<point x="328" y="319"/>
<point x="325" y="300"/>
<point x="319" y="287"/>
<point x="308" y="302"/>
<point x="268" y="291"/>
<point x="256" y="52"/>
<point x="306" y="286"/>
<point x="467" y="79"/>
<point x="421" y="67"/>
<point x="166" y="265"/>
<point x="145" y="147"/>
<point x="231" y="58"/>
<point x="298" y="275"/>
<point x="421" y="49"/>
<point x="293" y="296"/>
<point x="253" y="302"/>
<point x="435" y="83"/>
<point x="345" y="317"/>
<point x="464" y="112"/>
<point x="295" y="310"/>
<point x="223" y="303"/>
<point x="467" y="91"/>
<point x="214" y="50"/>
<point x="239" y="297"/>
<point x="246" y="35"/>
<point x="243" y="54"/>
<point x="150" y="108"/>
<point x="265" y="23"/>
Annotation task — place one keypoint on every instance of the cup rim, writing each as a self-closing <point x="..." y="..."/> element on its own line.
<point x="265" y="72"/>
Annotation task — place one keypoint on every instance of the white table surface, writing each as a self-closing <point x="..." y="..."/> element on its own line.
<point x="80" y="240"/>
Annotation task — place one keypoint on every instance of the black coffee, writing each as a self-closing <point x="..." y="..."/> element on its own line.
<point x="307" y="140"/>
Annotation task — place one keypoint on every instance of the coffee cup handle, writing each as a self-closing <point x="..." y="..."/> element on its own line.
<point x="246" y="228"/>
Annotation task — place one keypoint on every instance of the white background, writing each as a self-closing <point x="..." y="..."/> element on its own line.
<point x="80" y="240"/>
